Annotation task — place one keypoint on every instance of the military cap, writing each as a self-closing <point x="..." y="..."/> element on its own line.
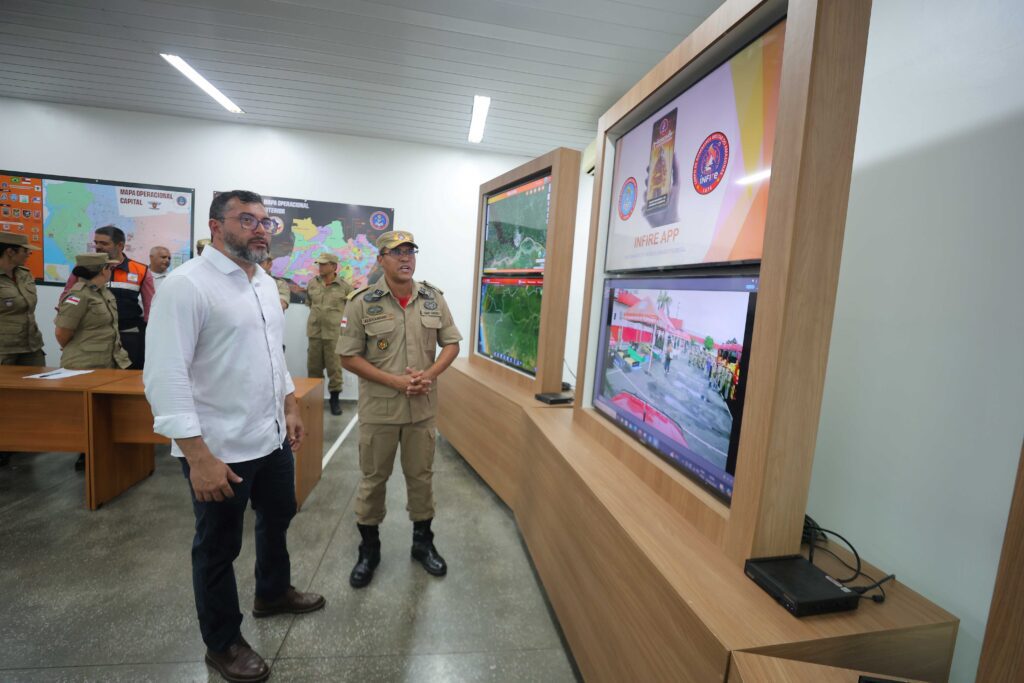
<point x="15" y="240"/>
<point x="94" y="260"/>
<point x="393" y="238"/>
<point x="327" y="257"/>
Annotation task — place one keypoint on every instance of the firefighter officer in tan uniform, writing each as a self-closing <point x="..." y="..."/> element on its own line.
<point x="326" y="295"/>
<point x="87" y="318"/>
<point x="389" y="338"/>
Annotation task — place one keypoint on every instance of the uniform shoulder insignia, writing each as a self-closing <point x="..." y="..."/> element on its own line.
<point x="434" y="287"/>
<point x="356" y="292"/>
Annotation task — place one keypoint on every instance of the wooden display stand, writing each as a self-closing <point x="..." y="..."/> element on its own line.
<point x="642" y="566"/>
<point x="481" y="415"/>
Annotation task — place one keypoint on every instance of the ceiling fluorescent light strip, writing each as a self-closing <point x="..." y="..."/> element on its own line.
<point x="197" y="78"/>
<point x="476" y="127"/>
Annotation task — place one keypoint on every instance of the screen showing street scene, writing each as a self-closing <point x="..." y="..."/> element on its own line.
<point x="673" y="366"/>
<point x="516" y="228"/>
<point x="510" y="321"/>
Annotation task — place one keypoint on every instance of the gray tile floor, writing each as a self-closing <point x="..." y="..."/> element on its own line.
<point x="107" y="596"/>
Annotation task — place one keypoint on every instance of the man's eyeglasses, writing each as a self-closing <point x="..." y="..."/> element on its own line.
<point x="249" y="222"/>
<point x="403" y="251"/>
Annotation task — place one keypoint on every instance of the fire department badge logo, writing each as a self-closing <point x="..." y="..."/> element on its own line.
<point x="710" y="164"/>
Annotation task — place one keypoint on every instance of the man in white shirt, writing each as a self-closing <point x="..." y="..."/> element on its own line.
<point x="159" y="263"/>
<point x="218" y="385"/>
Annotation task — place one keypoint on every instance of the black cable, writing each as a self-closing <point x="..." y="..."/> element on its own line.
<point x="815" y="530"/>
<point x="861" y="589"/>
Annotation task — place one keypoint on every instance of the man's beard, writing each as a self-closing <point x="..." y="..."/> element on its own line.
<point x="241" y="250"/>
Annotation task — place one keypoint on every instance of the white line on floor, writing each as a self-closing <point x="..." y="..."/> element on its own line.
<point x="337" y="444"/>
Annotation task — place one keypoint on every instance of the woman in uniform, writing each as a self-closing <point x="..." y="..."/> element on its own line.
<point x="87" y="318"/>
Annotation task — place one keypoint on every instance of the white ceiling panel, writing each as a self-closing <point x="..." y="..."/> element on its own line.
<point x="394" y="69"/>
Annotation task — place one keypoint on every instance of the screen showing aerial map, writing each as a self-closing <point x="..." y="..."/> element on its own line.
<point x="60" y="214"/>
<point x="509" y="321"/>
<point x="516" y="228"/>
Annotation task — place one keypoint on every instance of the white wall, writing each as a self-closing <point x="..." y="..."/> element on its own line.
<point x="923" y="411"/>
<point x="433" y="190"/>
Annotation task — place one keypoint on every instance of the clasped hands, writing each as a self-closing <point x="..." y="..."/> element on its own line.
<point x="414" y="382"/>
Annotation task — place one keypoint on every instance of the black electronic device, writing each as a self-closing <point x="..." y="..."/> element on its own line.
<point x="555" y="398"/>
<point x="876" y="679"/>
<point x="799" y="586"/>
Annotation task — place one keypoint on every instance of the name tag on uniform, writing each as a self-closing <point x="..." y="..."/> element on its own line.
<point x="431" y="314"/>
<point x="133" y="277"/>
<point x="377" y="318"/>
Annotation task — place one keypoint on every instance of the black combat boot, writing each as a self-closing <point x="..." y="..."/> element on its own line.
<point x="335" y="403"/>
<point x="423" y="550"/>
<point x="369" y="556"/>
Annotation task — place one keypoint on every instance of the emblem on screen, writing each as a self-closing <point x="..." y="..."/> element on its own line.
<point x="627" y="199"/>
<point x="379" y="220"/>
<point x="711" y="162"/>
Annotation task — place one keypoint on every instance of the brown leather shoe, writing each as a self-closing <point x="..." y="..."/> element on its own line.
<point x="239" y="663"/>
<point x="292" y="602"/>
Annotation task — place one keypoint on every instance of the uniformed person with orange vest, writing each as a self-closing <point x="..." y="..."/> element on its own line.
<point x="130" y="282"/>
<point x="21" y="343"/>
<point x="389" y="338"/>
<point x="326" y="295"/>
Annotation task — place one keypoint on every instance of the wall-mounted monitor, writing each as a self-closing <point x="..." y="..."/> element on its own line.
<point x="690" y="182"/>
<point x="516" y="228"/>
<point x="509" y="321"/>
<point x="672" y="368"/>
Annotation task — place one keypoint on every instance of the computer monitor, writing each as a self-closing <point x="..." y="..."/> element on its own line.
<point x="672" y="368"/>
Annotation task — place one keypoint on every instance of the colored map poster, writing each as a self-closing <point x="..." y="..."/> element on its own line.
<point x="510" y="321"/>
<point x="306" y="228"/>
<point x="60" y="215"/>
<point x="21" y="213"/>
<point x="515" y="236"/>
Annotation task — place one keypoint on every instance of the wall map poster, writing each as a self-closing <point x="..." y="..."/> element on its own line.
<point x="60" y="214"/>
<point x="305" y="228"/>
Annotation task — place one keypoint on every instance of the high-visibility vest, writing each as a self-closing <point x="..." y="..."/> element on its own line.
<point x="126" y="286"/>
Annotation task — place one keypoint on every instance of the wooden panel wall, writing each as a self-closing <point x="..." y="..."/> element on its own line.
<point x="1002" y="652"/>
<point x="564" y="166"/>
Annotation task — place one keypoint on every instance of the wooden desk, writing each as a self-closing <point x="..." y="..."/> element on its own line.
<point x="309" y="392"/>
<point x="105" y="415"/>
<point x="49" y="414"/>
<point x="751" y="668"/>
<point x="123" y="450"/>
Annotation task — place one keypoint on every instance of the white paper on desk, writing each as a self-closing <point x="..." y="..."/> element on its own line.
<point x="58" y="374"/>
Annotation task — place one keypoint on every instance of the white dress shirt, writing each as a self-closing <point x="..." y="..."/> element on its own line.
<point x="214" y="360"/>
<point x="158" y="278"/>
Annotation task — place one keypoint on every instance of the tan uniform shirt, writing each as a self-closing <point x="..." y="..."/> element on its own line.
<point x="283" y="291"/>
<point x="392" y="339"/>
<point x="326" y="307"/>
<point x="18" y="330"/>
<point x="91" y="312"/>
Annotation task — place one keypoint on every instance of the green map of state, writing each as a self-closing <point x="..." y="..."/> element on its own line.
<point x="516" y="234"/>
<point x="510" y="324"/>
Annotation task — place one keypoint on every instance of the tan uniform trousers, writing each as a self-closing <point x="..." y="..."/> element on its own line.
<point x="322" y="356"/>
<point x="36" y="358"/>
<point x="377" y="446"/>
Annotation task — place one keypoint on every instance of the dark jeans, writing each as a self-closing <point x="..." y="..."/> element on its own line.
<point x="134" y="343"/>
<point x="269" y="482"/>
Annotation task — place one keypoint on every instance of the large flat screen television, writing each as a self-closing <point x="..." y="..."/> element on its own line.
<point x="509" y="321"/>
<point x="690" y="182"/>
<point x="516" y="228"/>
<point x="673" y="365"/>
